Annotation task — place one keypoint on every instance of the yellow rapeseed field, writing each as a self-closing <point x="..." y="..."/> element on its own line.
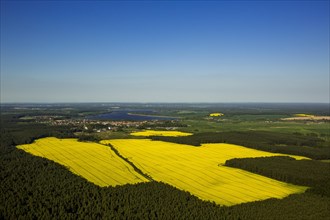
<point x="200" y="170"/>
<point x="216" y="114"/>
<point x="95" y="162"/>
<point x="148" y="133"/>
<point x="303" y="115"/>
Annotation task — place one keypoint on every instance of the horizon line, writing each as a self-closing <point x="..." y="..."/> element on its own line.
<point x="137" y="102"/>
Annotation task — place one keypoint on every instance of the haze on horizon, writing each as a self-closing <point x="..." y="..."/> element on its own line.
<point x="165" y="51"/>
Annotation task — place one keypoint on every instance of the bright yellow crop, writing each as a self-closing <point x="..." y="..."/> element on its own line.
<point x="95" y="162"/>
<point x="303" y="115"/>
<point x="148" y="133"/>
<point x="216" y="114"/>
<point x="200" y="170"/>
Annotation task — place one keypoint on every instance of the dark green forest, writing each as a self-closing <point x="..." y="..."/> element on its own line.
<point x="311" y="173"/>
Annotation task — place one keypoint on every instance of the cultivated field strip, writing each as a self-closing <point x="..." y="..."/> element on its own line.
<point x="200" y="170"/>
<point x="95" y="162"/>
<point x="148" y="133"/>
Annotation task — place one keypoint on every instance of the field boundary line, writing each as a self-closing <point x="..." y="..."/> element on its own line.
<point x="136" y="169"/>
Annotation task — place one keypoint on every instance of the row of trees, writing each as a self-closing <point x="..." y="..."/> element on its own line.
<point x="315" y="174"/>
<point x="288" y="143"/>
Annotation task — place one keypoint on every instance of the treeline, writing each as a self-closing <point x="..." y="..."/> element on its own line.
<point x="36" y="188"/>
<point x="88" y="138"/>
<point x="130" y="163"/>
<point x="315" y="174"/>
<point x="294" y="143"/>
<point x="163" y="124"/>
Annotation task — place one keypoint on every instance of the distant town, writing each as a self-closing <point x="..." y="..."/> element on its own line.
<point x="103" y="125"/>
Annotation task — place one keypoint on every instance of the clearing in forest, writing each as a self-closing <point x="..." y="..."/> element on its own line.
<point x="200" y="170"/>
<point x="95" y="162"/>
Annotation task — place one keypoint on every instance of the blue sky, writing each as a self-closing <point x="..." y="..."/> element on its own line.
<point x="217" y="51"/>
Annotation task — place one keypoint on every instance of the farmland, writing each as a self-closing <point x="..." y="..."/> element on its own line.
<point x="212" y="155"/>
<point x="94" y="162"/>
<point x="199" y="170"/>
<point x="161" y="133"/>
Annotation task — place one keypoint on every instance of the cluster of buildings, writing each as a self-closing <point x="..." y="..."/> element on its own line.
<point x="95" y="125"/>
